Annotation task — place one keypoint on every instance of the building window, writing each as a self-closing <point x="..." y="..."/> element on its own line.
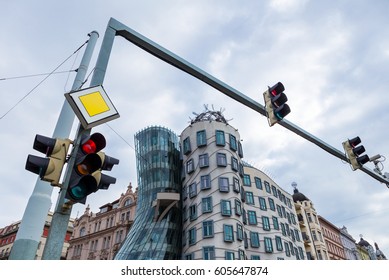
<point x="252" y="217"/>
<point x="244" y="216"/>
<point x="233" y="143"/>
<point x="193" y="212"/>
<point x="239" y="232"/>
<point x="82" y="231"/>
<point x="205" y="182"/>
<point x="206" y="203"/>
<point x="279" y="210"/>
<point x="228" y="231"/>
<point x="274" y="190"/>
<point x="279" y="243"/>
<point x="301" y="253"/>
<point x="249" y="198"/>
<point x="190" y="166"/>
<point x="224" y="184"/>
<point x="258" y="183"/>
<point x="234" y="164"/>
<point x="236" y="185"/>
<point x="265" y="223"/>
<point x="241" y="170"/>
<point x="287" y="250"/>
<point x="240" y="150"/>
<point x="220" y="139"/>
<point x="128" y="202"/>
<point x="221" y="159"/>
<point x="246" y="180"/>
<point x="203" y="160"/>
<point x="268" y="245"/>
<point x="209" y="253"/>
<point x="255" y="257"/>
<point x="267" y="187"/>
<point x="254" y="239"/>
<point x="271" y="204"/>
<point x="201" y="138"/>
<point x="192" y="236"/>
<point x="225" y="206"/>
<point x="238" y="207"/>
<point x="207" y="229"/>
<point x="229" y="255"/>
<point x="184" y="193"/>
<point x="186" y="143"/>
<point x="262" y="203"/>
<point x="241" y="254"/>
<point x="192" y="190"/>
<point x="283" y="229"/>
<point x="275" y="223"/>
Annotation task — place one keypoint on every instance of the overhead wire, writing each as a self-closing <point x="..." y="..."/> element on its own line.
<point x="44" y="79"/>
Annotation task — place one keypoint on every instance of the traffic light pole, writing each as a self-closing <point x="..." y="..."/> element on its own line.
<point x="30" y="230"/>
<point x="116" y="28"/>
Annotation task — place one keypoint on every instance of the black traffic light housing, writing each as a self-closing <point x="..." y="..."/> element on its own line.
<point x="49" y="168"/>
<point x="275" y="103"/>
<point x="86" y="176"/>
<point x="354" y="152"/>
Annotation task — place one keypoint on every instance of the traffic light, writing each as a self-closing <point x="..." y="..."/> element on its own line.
<point x="86" y="176"/>
<point x="50" y="168"/>
<point x="354" y="152"/>
<point x="275" y="103"/>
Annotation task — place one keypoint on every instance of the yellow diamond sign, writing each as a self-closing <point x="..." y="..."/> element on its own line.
<point x="92" y="106"/>
<point x="94" y="103"/>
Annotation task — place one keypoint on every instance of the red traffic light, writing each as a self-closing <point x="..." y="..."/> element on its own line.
<point x="277" y="89"/>
<point x="93" y="144"/>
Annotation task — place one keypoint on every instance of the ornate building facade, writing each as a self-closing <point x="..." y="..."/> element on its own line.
<point x="332" y="238"/>
<point x="98" y="236"/>
<point x="8" y="234"/>
<point x="314" y="243"/>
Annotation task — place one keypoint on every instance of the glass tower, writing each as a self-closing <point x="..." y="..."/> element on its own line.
<point x="156" y="232"/>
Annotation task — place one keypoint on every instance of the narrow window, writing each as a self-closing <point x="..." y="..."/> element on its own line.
<point x="201" y="138"/>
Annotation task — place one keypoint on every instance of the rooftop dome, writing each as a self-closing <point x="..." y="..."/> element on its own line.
<point x="364" y="243"/>
<point x="298" y="196"/>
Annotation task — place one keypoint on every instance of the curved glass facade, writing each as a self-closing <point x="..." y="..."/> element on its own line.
<point x="156" y="232"/>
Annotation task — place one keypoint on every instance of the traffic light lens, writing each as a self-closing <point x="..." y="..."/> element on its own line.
<point x="89" y="147"/>
<point x="83" y="169"/>
<point x="78" y="192"/>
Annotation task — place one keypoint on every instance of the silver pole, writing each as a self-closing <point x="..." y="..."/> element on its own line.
<point x="34" y="217"/>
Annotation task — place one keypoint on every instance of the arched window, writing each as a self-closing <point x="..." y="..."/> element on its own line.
<point x="128" y="202"/>
<point x="82" y="231"/>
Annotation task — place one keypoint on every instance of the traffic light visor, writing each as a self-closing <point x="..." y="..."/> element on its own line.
<point x="93" y="143"/>
<point x="363" y="159"/>
<point x="276" y="89"/>
<point x="85" y="186"/>
<point x="359" y="150"/>
<point x="354" y="142"/>
<point x="38" y="165"/>
<point x="88" y="164"/>
<point x="44" y="144"/>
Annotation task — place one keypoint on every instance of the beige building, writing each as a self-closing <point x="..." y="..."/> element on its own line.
<point x="98" y="236"/>
<point x="311" y="230"/>
<point x="8" y="234"/>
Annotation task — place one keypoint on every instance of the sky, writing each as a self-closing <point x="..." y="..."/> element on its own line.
<point x="331" y="56"/>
